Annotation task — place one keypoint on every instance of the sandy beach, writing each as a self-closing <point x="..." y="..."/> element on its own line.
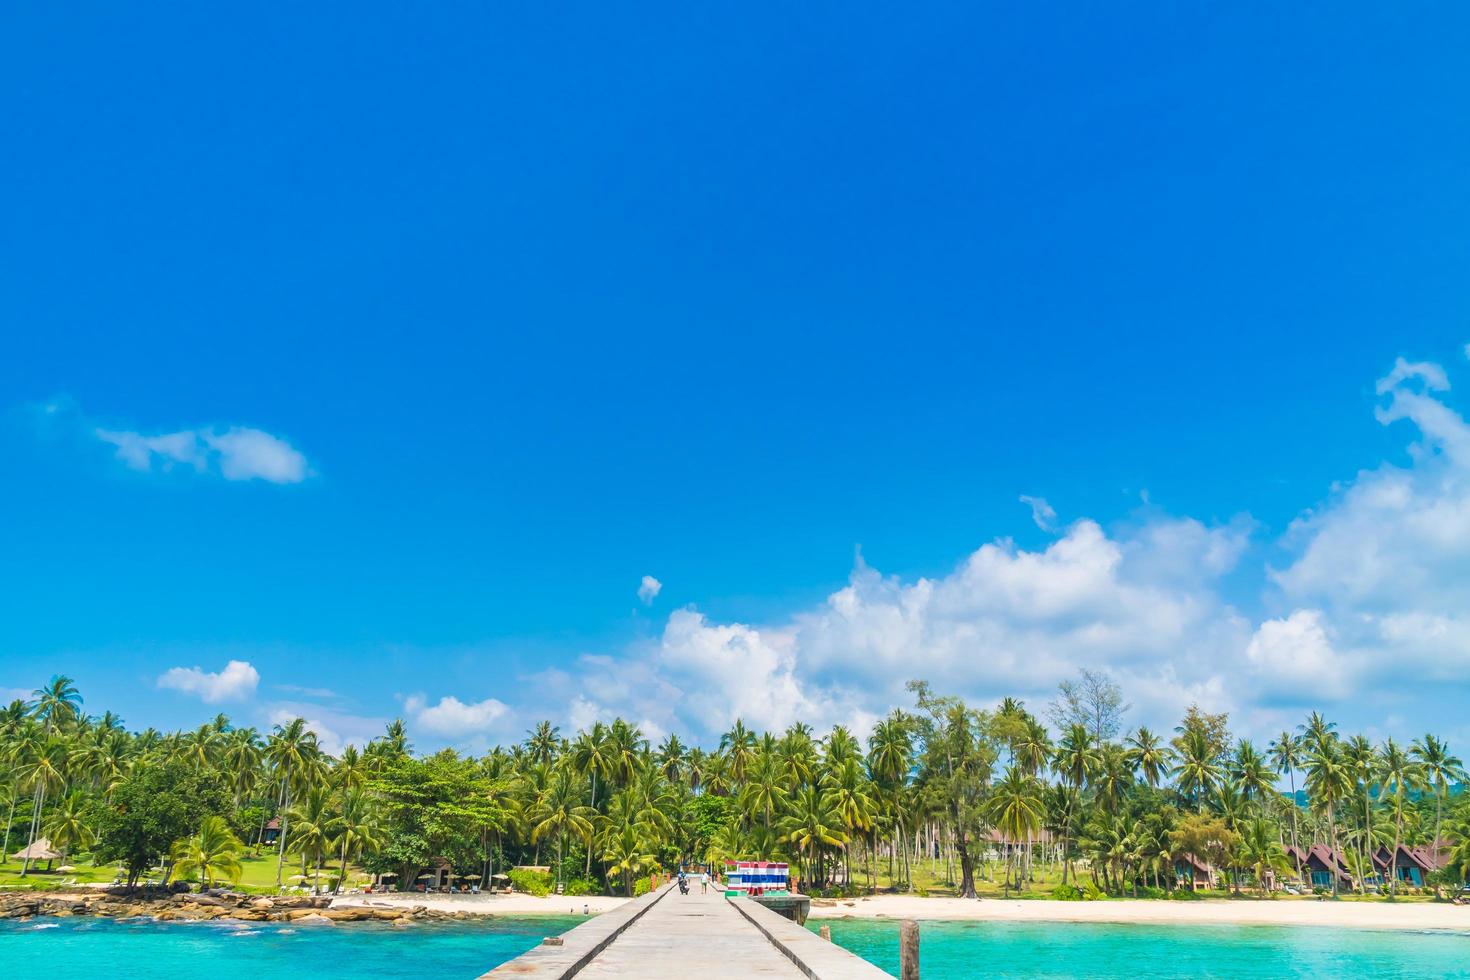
<point x="516" y="904"/>
<point x="1354" y="915"/>
<point x="1279" y="912"/>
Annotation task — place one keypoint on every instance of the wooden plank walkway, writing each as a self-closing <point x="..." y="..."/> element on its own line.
<point x="703" y="935"/>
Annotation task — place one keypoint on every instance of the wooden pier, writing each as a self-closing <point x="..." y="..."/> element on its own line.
<point x="702" y="935"/>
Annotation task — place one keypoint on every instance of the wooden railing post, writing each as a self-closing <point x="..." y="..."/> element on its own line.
<point x="908" y="950"/>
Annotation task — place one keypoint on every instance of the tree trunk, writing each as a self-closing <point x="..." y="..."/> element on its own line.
<point x="281" y="840"/>
<point x="5" y="850"/>
<point x="1296" y="851"/>
<point x="967" y="868"/>
<point x="1332" y="828"/>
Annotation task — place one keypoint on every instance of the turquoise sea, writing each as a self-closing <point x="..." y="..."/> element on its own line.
<point x="73" y="949"/>
<point x="77" y="948"/>
<point x="951" y="950"/>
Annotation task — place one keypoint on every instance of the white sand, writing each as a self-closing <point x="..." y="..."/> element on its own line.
<point x="1277" y="912"/>
<point x="488" y="904"/>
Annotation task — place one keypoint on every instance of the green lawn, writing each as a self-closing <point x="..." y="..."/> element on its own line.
<point x="259" y="874"/>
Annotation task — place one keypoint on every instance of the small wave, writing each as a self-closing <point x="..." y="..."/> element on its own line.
<point x="42" y="925"/>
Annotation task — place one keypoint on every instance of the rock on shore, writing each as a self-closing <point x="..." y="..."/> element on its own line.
<point x="190" y="907"/>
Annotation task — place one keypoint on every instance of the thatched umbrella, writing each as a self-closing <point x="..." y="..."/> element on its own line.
<point x="39" y="850"/>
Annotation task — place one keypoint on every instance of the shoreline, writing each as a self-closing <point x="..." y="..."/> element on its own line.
<point x="1418" y="916"/>
<point x="515" y="904"/>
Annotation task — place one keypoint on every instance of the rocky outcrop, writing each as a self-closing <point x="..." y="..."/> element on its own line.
<point x="167" y="906"/>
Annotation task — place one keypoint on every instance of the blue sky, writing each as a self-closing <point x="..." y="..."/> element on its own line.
<point x="385" y="351"/>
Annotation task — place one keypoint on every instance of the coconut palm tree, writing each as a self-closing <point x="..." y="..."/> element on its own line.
<point x="541" y="743"/>
<point x="356" y="827"/>
<point x="813" y="823"/>
<point x="211" y="853"/>
<point x="67" y="828"/>
<point x="291" y="749"/>
<point x="1198" y="774"/>
<point x="625" y="748"/>
<point x="1251" y="772"/>
<point x="1077" y="761"/>
<point x="1150" y="755"/>
<point x="58" y="704"/>
<point x="1286" y="755"/>
<point x="1317" y="731"/>
<point x="628" y="853"/>
<point x="738" y="746"/>
<point x="1015" y="808"/>
<point x="671" y="758"/>
<point x="43" y="771"/>
<point x="1397" y="774"/>
<point x="1440" y="769"/>
<point x="560" y="812"/>
<point x="850" y="794"/>
<point x="1261" y="851"/>
<point x="312" y="826"/>
<point x="1329" y="781"/>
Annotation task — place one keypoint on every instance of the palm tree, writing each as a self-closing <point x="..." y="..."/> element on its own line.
<point x="560" y="811"/>
<point x="627" y="853"/>
<point x="43" y="770"/>
<point x="214" y="851"/>
<point x="312" y="828"/>
<point x="1362" y="763"/>
<point x="1317" y="731"/>
<point x="738" y="745"/>
<point x="67" y="829"/>
<point x="1261" y="851"/>
<point x="1440" y="769"/>
<point x="1197" y="774"/>
<point x="1286" y="756"/>
<point x="848" y="791"/>
<point x="291" y="749"/>
<point x="58" y="704"/>
<point x="625" y="747"/>
<point x="541" y="743"/>
<point x="812" y="824"/>
<point x="671" y="758"/>
<point x="356" y="827"/>
<point x="1015" y="808"/>
<point x="1251" y="771"/>
<point x="1397" y="774"/>
<point x="1077" y="761"/>
<point x="1150" y="756"/>
<point x="1328" y="782"/>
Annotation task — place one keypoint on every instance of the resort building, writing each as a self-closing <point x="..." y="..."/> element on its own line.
<point x="1319" y="863"/>
<point x="1194" y="871"/>
<point x="1412" y="865"/>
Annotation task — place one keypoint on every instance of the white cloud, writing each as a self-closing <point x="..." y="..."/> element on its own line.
<point x="1041" y="511"/>
<point x="1295" y="661"/>
<point x="452" y="718"/>
<point x="250" y="454"/>
<point x="238" y="680"/>
<point x="1386" y="559"/>
<point x="1431" y="374"/>
<point x="649" y="589"/>
<point x="234" y="453"/>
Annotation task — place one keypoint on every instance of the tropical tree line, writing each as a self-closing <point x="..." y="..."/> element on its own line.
<point x="938" y="794"/>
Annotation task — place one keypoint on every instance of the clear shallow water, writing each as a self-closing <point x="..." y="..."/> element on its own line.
<point x="77" y="948"/>
<point x="73" y="949"/>
<point x="952" y="950"/>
